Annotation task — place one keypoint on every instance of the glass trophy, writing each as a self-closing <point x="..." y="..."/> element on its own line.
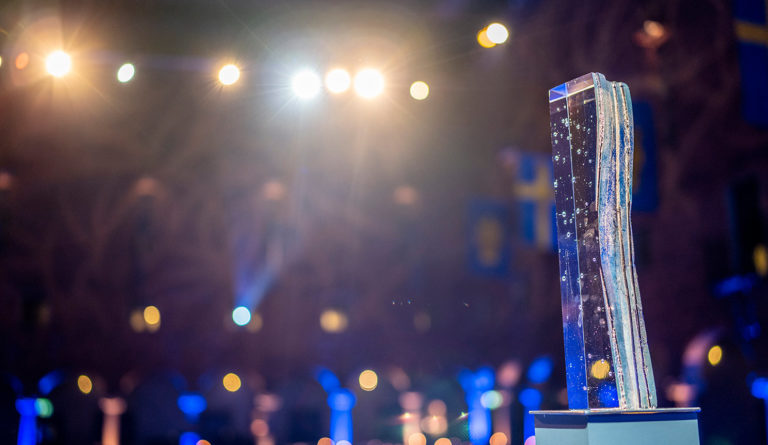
<point x="611" y="391"/>
<point x="606" y="350"/>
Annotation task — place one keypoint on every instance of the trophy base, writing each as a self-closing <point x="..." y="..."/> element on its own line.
<point x="679" y="426"/>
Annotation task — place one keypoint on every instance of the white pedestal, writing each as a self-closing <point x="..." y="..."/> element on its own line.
<point x="671" y="426"/>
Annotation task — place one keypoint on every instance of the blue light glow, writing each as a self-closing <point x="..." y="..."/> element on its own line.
<point x="341" y="401"/>
<point x="608" y="395"/>
<point x="531" y="400"/>
<point x="540" y="370"/>
<point x="241" y="316"/>
<point x="475" y="385"/>
<point x="760" y="388"/>
<point x="27" y="407"/>
<point x="49" y="381"/>
<point x="189" y="438"/>
<point x="192" y="404"/>
<point x="327" y="379"/>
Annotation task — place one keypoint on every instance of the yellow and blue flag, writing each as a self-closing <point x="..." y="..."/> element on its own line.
<point x="645" y="194"/>
<point x="489" y="240"/>
<point x="751" y="23"/>
<point x="534" y="193"/>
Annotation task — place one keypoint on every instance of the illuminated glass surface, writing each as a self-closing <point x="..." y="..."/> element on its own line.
<point x="603" y="328"/>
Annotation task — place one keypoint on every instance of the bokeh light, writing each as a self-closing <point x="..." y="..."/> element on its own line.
<point x="22" y="60"/>
<point x="491" y="399"/>
<point x="600" y="369"/>
<point x="436" y="408"/>
<point x="419" y="90"/>
<point x="151" y="316"/>
<point x="368" y="380"/>
<point x="58" y="64"/>
<point x="333" y="321"/>
<point x="126" y="73"/>
<point x="654" y="29"/>
<point x="229" y="74"/>
<point x="325" y="441"/>
<point x="369" y="83"/>
<point x="497" y="33"/>
<point x="1" y="61"/>
<point x="84" y="384"/>
<point x="715" y="355"/>
<point x="241" y="315"/>
<point x="256" y="322"/>
<point x="44" y="407"/>
<point x="338" y="80"/>
<point x="498" y="439"/>
<point x="417" y="439"/>
<point x="443" y="441"/>
<point x="483" y="40"/>
<point x="189" y="438"/>
<point x="259" y="428"/>
<point x="306" y="84"/>
<point x="231" y="382"/>
<point x="203" y="442"/>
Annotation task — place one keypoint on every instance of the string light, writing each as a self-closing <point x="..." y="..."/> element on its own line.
<point x="126" y="72"/>
<point x="306" y="84"/>
<point x="229" y="74"/>
<point x="58" y="64"/>
<point x="369" y="83"/>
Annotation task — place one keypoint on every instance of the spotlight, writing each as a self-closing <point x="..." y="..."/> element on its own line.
<point x="497" y="33"/>
<point x="58" y="64"/>
<point x="126" y="72"/>
<point x="419" y="90"/>
<point x="229" y="74"/>
<point x="338" y="81"/>
<point x="369" y="83"/>
<point x="306" y="84"/>
<point x="241" y="316"/>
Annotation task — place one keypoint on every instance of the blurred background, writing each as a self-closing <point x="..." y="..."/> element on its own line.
<point x="283" y="222"/>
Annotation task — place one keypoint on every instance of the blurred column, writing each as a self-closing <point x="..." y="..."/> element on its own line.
<point x="28" y="422"/>
<point x="113" y="408"/>
<point x="411" y="403"/>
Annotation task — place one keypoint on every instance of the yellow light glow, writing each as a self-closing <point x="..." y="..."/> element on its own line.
<point x="126" y="72"/>
<point x="338" y="80"/>
<point x="84" y="384"/>
<point x="231" y="382"/>
<point x="1" y="61"/>
<point x="498" y="439"/>
<point x="497" y="33"/>
<point x="333" y="321"/>
<point x="151" y="315"/>
<point x="760" y="258"/>
<point x="369" y="83"/>
<point x="483" y="40"/>
<point x="229" y="74"/>
<point x="654" y="29"/>
<point x="600" y="369"/>
<point x="443" y="441"/>
<point x="419" y="90"/>
<point x="715" y="355"/>
<point x="22" y="60"/>
<point x="368" y="380"/>
<point x="58" y="64"/>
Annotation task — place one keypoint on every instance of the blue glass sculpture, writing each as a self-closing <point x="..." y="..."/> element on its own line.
<point x="605" y="341"/>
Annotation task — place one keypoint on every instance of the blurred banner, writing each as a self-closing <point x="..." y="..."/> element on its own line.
<point x="535" y="200"/>
<point x="645" y="194"/>
<point x="751" y="23"/>
<point x="489" y="240"/>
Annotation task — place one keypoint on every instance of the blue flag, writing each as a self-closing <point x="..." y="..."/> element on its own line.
<point x="751" y="17"/>
<point x="534" y="192"/>
<point x="489" y="241"/>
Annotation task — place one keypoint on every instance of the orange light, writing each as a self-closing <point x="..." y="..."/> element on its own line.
<point x="231" y="382"/>
<point x="22" y="60"/>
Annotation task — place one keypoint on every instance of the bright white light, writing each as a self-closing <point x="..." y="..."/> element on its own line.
<point x="369" y="83"/>
<point x="126" y="72"/>
<point x="419" y="90"/>
<point x="338" y="81"/>
<point x="229" y="74"/>
<point x="497" y="33"/>
<point x="58" y="64"/>
<point x="241" y="316"/>
<point x="306" y="84"/>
